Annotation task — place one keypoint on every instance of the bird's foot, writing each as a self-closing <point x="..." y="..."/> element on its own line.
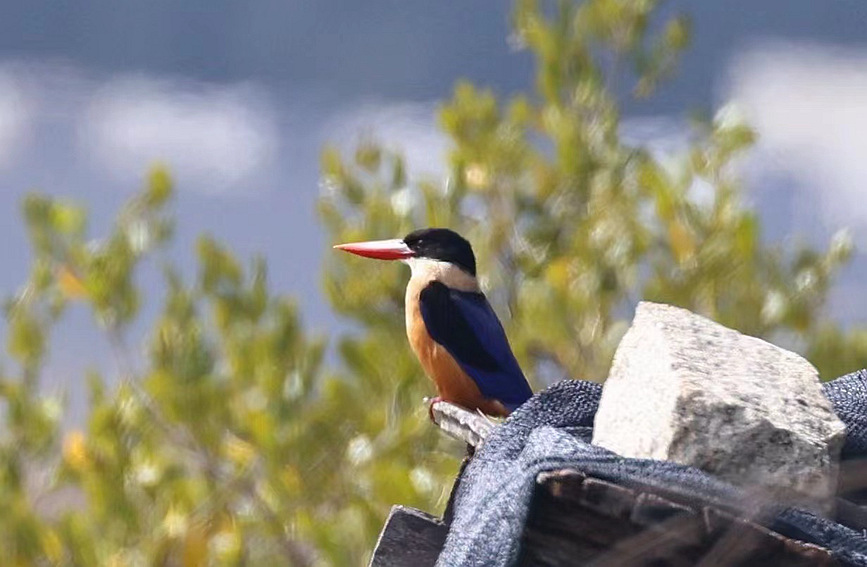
<point x="431" y="402"/>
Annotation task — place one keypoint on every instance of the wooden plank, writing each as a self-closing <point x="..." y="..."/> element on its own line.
<point x="560" y="533"/>
<point x="651" y="509"/>
<point x="738" y="541"/>
<point x="607" y="498"/>
<point x="542" y="549"/>
<point x="677" y="542"/>
<point x="575" y="519"/>
<point x="410" y="538"/>
<point x="563" y="483"/>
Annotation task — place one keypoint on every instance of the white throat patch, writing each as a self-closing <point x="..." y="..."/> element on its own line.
<point x="446" y="273"/>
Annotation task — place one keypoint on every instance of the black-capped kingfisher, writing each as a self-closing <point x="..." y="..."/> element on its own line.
<point x="451" y="327"/>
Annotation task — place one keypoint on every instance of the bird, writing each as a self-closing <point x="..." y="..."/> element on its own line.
<point x="452" y="329"/>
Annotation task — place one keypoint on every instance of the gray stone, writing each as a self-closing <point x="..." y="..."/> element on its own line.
<point x="683" y="388"/>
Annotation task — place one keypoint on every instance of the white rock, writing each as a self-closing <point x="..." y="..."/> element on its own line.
<point x="685" y="389"/>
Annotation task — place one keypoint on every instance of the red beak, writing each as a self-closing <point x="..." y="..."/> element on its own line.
<point x="380" y="249"/>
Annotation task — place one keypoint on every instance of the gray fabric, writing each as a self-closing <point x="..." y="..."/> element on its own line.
<point x="552" y="430"/>
<point x="848" y="395"/>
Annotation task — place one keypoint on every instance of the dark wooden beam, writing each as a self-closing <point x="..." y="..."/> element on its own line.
<point x="410" y="538"/>
<point x="579" y="519"/>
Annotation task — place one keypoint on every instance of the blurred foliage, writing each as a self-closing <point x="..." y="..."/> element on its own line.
<point x="228" y="442"/>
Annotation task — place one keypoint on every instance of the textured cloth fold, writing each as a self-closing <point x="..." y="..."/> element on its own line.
<point x="552" y="431"/>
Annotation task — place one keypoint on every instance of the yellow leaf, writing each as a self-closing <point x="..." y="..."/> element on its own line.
<point x="52" y="545"/>
<point x="175" y="523"/>
<point x="75" y="452"/>
<point x="291" y="479"/>
<point x="682" y="243"/>
<point x="159" y="186"/>
<point x="117" y="560"/>
<point x="238" y="451"/>
<point x="557" y="273"/>
<point x="226" y="543"/>
<point x="70" y="285"/>
<point x="196" y="547"/>
<point x="476" y="176"/>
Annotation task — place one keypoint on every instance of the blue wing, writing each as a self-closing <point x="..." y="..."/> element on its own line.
<point x="466" y="325"/>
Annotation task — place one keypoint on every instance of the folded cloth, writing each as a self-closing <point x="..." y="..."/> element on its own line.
<point x="848" y="395"/>
<point x="552" y="431"/>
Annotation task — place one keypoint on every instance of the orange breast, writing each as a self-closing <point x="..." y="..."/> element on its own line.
<point x="453" y="384"/>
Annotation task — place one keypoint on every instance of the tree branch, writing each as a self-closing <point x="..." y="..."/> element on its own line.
<point x="472" y="428"/>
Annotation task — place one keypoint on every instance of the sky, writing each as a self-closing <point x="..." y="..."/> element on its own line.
<point x="239" y="98"/>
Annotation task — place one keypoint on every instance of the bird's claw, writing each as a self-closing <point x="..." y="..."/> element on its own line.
<point x="431" y="402"/>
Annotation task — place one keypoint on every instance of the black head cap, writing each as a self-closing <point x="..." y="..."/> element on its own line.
<point x="444" y="245"/>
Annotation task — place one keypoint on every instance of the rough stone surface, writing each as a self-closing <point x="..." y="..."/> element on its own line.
<point x="685" y="389"/>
